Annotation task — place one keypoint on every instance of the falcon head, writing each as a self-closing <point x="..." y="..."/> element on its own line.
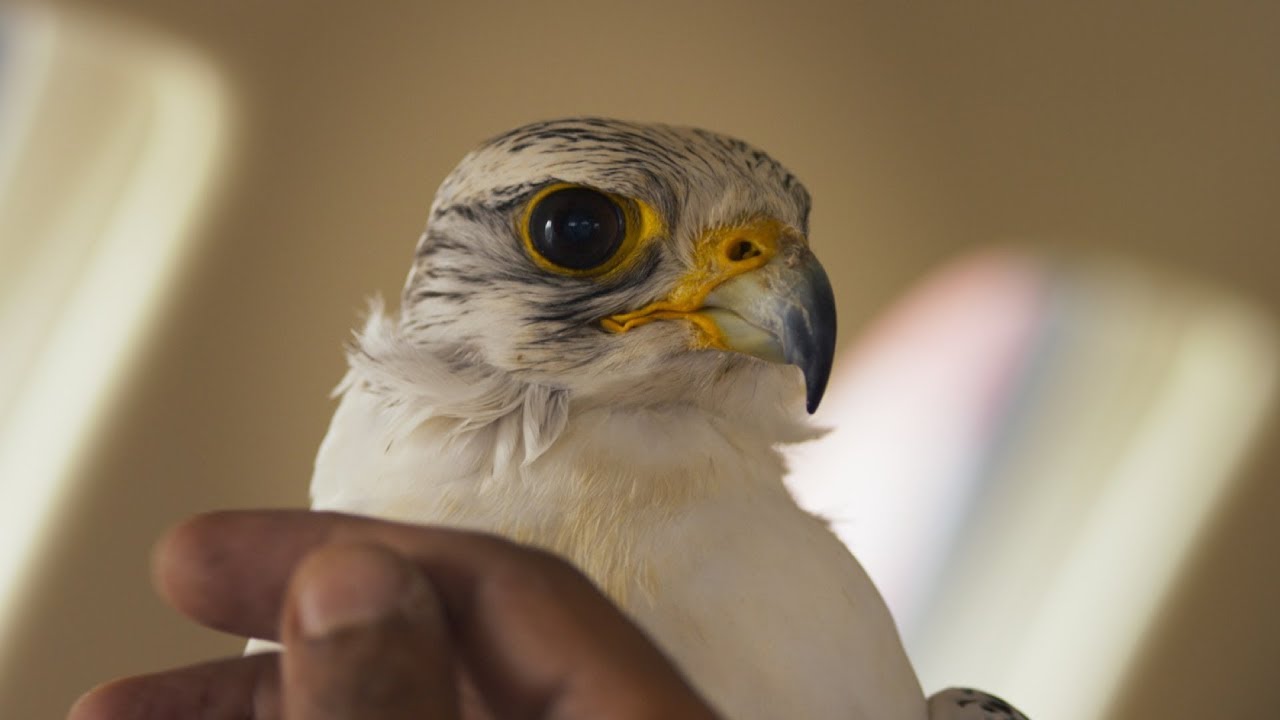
<point x="623" y="262"/>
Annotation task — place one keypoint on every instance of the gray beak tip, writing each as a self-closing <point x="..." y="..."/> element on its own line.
<point x="815" y="358"/>
<point x="813" y="393"/>
<point x="809" y="332"/>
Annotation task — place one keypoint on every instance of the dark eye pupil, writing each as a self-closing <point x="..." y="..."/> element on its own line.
<point x="577" y="228"/>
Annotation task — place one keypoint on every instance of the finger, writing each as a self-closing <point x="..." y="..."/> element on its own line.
<point x="365" y="637"/>
<point x="190" y="563"/>
<point x="530" y="628"/>
<point x="237" y="688"/>
<point x="230" y="570"/>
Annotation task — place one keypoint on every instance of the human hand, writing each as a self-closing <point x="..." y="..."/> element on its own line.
<point x="383" y="620"/>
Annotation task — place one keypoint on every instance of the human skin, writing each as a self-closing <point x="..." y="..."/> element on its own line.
<point x="385" y="620"/>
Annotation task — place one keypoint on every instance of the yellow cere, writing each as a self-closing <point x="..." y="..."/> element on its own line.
<point x="643" y="224"/>
<point x="722" y="253"/>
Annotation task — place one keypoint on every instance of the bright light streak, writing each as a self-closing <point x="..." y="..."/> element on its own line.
<point x="160" y="188"/>
<point x="1153" y="509"/>
<point x="1024" y="457"/>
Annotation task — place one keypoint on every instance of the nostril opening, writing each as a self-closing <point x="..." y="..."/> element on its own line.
<point x="742" y="250"/>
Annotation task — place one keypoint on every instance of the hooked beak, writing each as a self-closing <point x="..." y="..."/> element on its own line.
<point x="756" y="289"/>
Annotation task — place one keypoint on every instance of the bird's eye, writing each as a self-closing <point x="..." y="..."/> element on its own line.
<point x="576" y="228"/>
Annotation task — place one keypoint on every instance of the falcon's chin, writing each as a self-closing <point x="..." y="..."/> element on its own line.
<point x="755" y="289"/>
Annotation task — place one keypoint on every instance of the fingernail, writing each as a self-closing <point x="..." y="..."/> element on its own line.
<point x="350" y="587"/>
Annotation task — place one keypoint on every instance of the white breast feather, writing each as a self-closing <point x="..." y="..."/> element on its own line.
<point x="680" y="516"/>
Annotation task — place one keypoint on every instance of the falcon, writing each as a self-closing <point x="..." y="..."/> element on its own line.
<point x="607" y="332"/>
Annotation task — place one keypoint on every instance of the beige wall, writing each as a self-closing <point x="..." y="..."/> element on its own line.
<point x="920" y="128"/>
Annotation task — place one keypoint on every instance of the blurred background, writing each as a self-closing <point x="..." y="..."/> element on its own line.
<point x="1052" y="229"/>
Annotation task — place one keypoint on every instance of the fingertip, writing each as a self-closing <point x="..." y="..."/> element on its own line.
<point x="239" y="687"/>
<point x="172" y="553"/>
<point x="87" y="707"/>
<point x="222" y="570"/>
<point x="184" y="559"/>
<point x="114" y="700"/>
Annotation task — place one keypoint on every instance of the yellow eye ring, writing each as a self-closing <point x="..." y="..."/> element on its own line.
<point x="578" y="231"/>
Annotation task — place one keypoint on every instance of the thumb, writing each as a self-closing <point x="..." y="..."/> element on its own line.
<point x="365" y="637"/>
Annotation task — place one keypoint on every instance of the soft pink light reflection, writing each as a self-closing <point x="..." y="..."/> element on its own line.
<point x="915" y="407"/>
